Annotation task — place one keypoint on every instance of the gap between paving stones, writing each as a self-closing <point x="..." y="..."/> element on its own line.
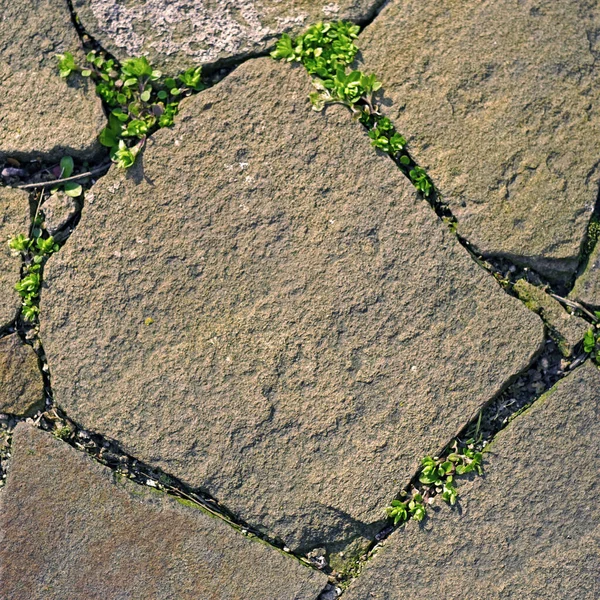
<point x="152" y="476"/>
<point x="492" y="419"/>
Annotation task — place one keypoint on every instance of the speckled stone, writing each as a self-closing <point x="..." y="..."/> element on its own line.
<point x="178" y="34"/>
<point x="529" y="529"/>
<point x="500" y="102"/>
<point x="71" y="529"/>
<point x="21" y="383"/>
<point x="41" y="115"/>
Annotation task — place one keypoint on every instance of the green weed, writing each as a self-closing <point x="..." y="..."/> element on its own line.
<point x="35" y="251"/>
<point x="591" y="340"/>
<point x="326" y="51"/>
<point x="139" y="99"/>
<point x="437" y="476"/>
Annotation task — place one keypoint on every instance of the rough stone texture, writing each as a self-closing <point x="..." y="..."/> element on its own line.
<point x="176" y="35"/>
<point x="70" y="530"/>
<point x="566" y="329"/>
<point x="14" y="219"/>
<point x="587" y="285"/>
<point x="529" y="529"/>
<point x="59" y="212"/>
<point x="40" y="114"/>
<point x="21" y="384"/>
<point x="500" y="103"/>
<point x="315" y="329"/>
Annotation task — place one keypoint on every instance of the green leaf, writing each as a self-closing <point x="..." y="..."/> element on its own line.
<point x="67" y="166"/>
<point x="73" y="189"/>
<point x="145" y="95"/>
<point x="108" y="138"/>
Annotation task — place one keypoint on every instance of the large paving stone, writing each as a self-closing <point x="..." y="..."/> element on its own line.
<point x="264" y="308"/>
<point x="530" y="528"/>
<point x="178" y="34"/>
<point x="21" y="384"/>
<point x="14" y="219"/>
<point x="500" y="103"/>
<point x="41" y="116"/>
<point x="71" y="530"/>
<point x="587" y="285"/>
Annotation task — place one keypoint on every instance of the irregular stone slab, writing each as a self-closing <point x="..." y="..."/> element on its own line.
<point x="500" y="103"/>
<point x="14" y="219"/>
<point x="566" y="329"/>
<point x="529" y="529"/>
<point x="59" y="213"/>
<point x="71" y="530"/>
<point x="41" y="116"/>
<point x="21" y="384"/>
<point x="587" y="285"/>
<point x="177" y="35"/>
<point x="264" y="308"/>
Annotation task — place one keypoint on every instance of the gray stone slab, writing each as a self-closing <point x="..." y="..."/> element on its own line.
<point x="264" y="308"/>
<point x="530" y="528"/>
<point x="41" y="116"/>
<point x="70" y="529"/>
<point x="587" y="285"/>
<point x="14" y="219"/>
<point x="500" y="103"/>
<point x="178" y="34"/>
<point x="21" y="384"/>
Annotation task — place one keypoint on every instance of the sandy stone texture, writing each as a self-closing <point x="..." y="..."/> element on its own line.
<point x="14" y="219"/>
<point x="41" y="116"/>
<point x="177" y="35"/>
<point x="587" y="285"/>
<point x="264" y="308"/>
<point x="565" y="328"/>
<point x="71" y="529"/>
<point x="500" y="103"/>
<point x="21" y="384"/>
<point x="530" y="528"/>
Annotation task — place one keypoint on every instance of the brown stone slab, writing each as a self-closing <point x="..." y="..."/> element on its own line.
<point x="41" y="116"/>
<point x="530" y="528"/>
<point x="21" y="383"/>
<point x="14" y="219"/>
<point x="587" y="285"/>
<point x="71" y="530"/>
<point x="264" y="308"/>
<point x="500" y="102"/>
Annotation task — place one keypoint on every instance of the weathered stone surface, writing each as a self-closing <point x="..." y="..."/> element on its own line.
<point x="40" y="114"/>
<point x="500" y="103"/>
<point x="14" y="219"/>
<point x="315" y="330"/>
<point x="59" y="212"/>
<point x="177" y="35"/>
<point x="566" y="329"/>
<point x="529" y="529"/>
<point x="587" y="285"/>
<point x="70" y="530"/>
<point x="21" y="384"/>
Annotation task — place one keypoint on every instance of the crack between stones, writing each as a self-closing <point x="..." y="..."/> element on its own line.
<point x="495" y="416"/>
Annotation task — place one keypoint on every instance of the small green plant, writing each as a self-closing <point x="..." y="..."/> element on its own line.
<point x="66" y="170"/>
<point x="400" y="511"/>
<point x="326" y="50"/>
<point x="437" y="476"/>
<point x="34" y="251"/>
<point x="591" y="340"/>
<point x="139" y="99"/>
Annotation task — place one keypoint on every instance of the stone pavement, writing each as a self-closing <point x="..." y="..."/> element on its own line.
<point x="263" y="315"/>
<point x="529" y="529"/>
